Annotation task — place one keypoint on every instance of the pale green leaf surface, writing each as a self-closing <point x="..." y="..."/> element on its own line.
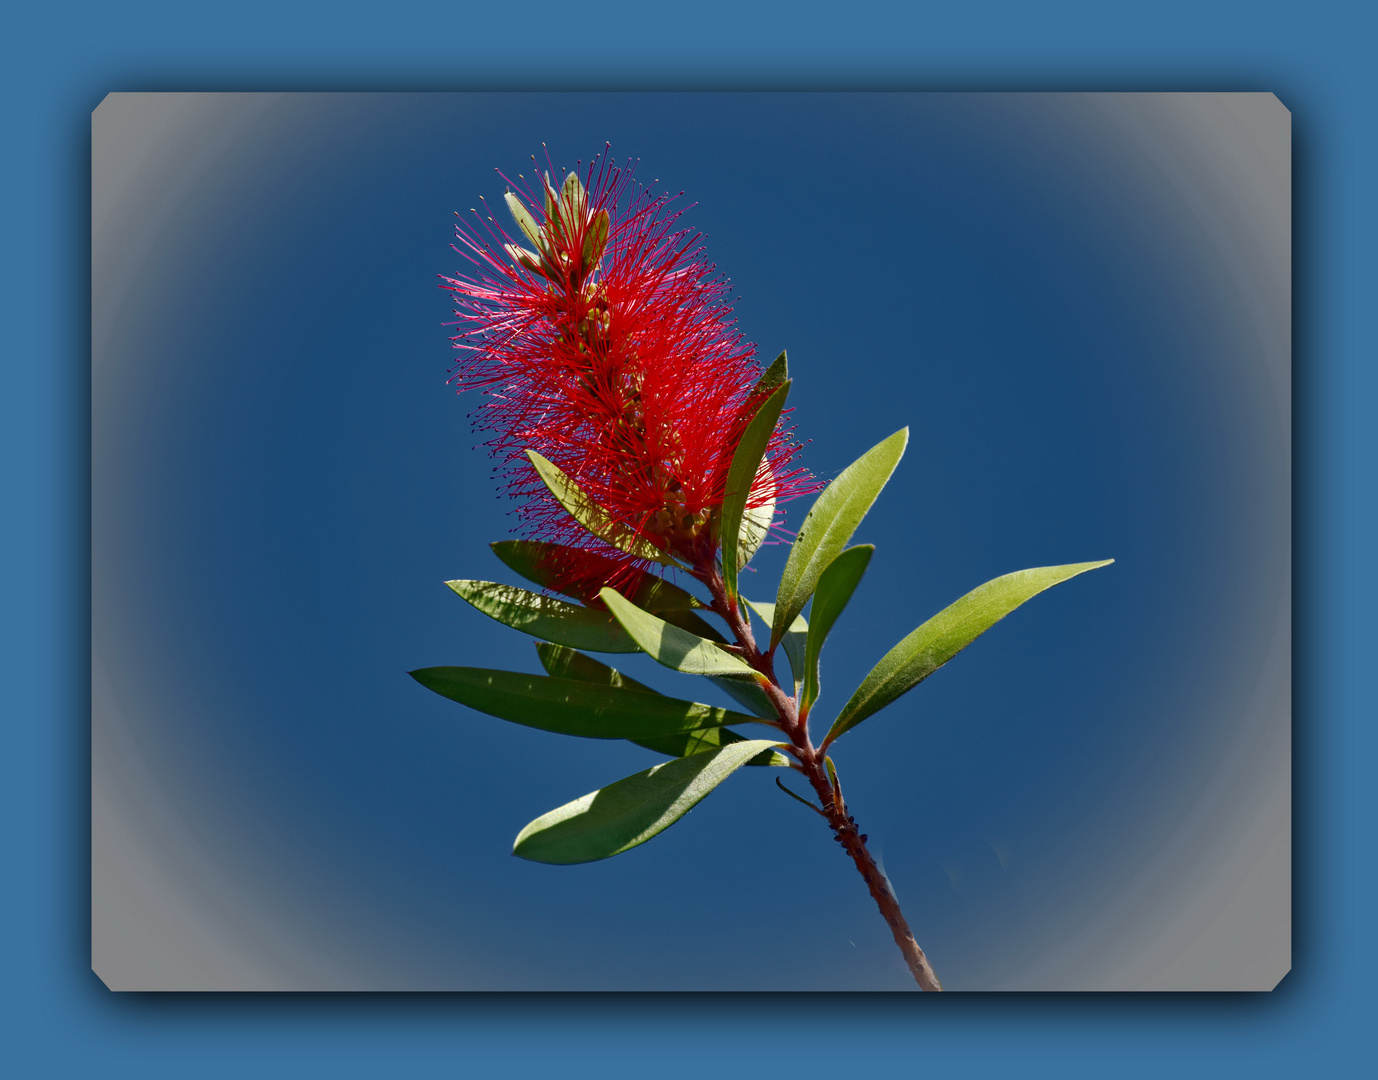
<point x="522" y="216"/>
<point x="668" y="644"/>
<point x="756" y="522"/>
<point x="593" y="517"/>
<point x="741" y="478"/>
<point x="835" y="587"/>
<point x="622" y="815"/>
<point x="945" y="635"/>
<point x="830" y="524"/>
<point x="546" y="617"/>
<point x="572" y="706"/>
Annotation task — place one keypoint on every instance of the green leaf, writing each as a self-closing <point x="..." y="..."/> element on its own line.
<point x="595" y="239"/>
<point x="835" y="587"/>
<point x="528" y="259"/>
<point x="567" y="664"/>
<point x="945" y="635"/>
<point x="794" y="639"/>
<point x="539" y="561"/>
<point x="747" y="693"/>
<point x="573" y="707"/>
<point x="545" y="617"/>
<point x="669" y="645"/>
<point x="830" y="524"/>
<point x="775" y="375"/>
<point x="524" y="220"/>
<point x="741" y="478"/>
<point x="593" y="517"/>
<point x="756" y="521"/>
<point x="687" y="620"/>
<point x="622" y="815"/>
<point x="572" y="201"/>
<point x="551" y="202"/>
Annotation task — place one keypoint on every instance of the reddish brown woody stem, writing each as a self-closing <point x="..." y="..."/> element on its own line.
<point x="812" y="766"/>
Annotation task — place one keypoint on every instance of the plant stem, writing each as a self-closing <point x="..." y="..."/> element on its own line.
<point x="812" y="763"/>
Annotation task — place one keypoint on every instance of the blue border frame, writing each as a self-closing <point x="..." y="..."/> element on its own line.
<point x="58" y="64"/>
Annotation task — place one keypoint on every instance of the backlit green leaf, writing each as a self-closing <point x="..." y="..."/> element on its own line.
<point x="522" y="216"/>
<point x="631" y="811"/>
<point x="571" y="706"/>
<point x="572" y="200"/>
<point x="755" y="521"/>
<point x="545" y="617"/>
<point x="835" y="587"/>
<point x="741" y="478"/>
<point x="595" y="239"/>
<point x="830" y="524"/>
<point x="593" y="517"/>
<point x="669" y="645"/>
<point x="567" y="664"/>
<point x="945" y="635"/>
<point x="540" y="561"/>
<point x="528" y="259"/>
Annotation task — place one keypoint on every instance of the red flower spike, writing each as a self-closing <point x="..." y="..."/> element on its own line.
<point x="606" y="343"/>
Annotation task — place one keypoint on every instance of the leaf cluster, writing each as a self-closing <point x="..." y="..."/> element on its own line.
<point x="583" y="697"/>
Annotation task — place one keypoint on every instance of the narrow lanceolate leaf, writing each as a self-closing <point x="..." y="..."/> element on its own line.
<point x="571" y="706"/>
<point x="540" y="561"/>
<point x="741" y="477"/>
<point x="528" y="259"/>
<point x="593" y="517"/>
<point x="524" y="220"/>
<point x="945" y="635"/>
<point x="830" y="524"/>
<point x="774" y="376"/>
<point x="835" y="587"/>
<point x="669" y="645"/>
<point x="622" y="815"/>
<point x="756" y="519"/>
<point x="568" y="664"/>
<point x="596" y="239"/>
<point x="794" y="639"/>
<point x="545" y="617"/>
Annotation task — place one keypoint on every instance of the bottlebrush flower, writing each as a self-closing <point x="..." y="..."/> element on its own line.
<point x="606" y="343"/>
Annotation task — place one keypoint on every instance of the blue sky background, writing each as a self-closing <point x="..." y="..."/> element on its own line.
<point x="50" y="955"/>
<point x="281" y="480"/>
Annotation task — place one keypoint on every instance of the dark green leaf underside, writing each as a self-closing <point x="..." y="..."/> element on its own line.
<point x="568" y="664"/>
<point x="571" y="706"/>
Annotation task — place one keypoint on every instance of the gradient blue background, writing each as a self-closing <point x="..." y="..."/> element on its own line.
<point x="62" y="1012"/>
<point x="1079" y="303"/>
